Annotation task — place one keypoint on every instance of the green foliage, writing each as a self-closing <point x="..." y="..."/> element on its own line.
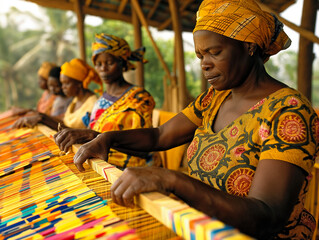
<point x="22" y="52"/>
<point x="315" y="84"/>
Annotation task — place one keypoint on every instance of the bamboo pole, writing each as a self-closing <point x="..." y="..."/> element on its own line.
<point x="179" y="56"/>
<point x="80" y="27"/>
<point x="144" y="23"/>
<point x="139" y="72"/>
<point x="306" y="55"/>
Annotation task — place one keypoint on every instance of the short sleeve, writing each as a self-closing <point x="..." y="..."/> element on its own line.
<point x="293" y="137"/>
<point x="194" y="111"/>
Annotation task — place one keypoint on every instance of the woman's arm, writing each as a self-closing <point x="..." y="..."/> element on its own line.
<point x="273" y="193"/>
<point x="175" y="132"/>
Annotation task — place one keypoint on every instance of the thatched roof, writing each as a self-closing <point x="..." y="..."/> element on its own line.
<point x="157" y="12"/>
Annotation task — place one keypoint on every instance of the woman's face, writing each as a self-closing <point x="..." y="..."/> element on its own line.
<point x="43" y="84"/>
<point x="70" y="86"/>
<point x="225" y="62"/>
<point x="108" y="67"/>
<point x="55" y="86"/>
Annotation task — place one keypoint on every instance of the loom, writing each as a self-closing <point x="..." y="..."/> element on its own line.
<point x="44" y="196"/>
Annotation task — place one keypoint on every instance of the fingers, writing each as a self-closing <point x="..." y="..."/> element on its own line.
<point x="63" y="140"/>
<point x="123" y="193"/>
<point x="20" y="123"/>
<point x="80" y="157"/>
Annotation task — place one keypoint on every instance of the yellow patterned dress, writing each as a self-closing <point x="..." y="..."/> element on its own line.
<point x="282" y="126"/>
<point x="133" y="110"/>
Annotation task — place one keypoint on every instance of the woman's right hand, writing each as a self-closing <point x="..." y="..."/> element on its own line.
<point x="69" y="136"/>
<point x="97" y="148"/>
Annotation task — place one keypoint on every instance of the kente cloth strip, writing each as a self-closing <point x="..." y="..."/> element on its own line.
<point x="47" y="201"/>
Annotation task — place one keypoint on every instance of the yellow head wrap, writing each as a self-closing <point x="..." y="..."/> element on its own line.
<point x="118" y="47"/>
<point x="45" y="69"/>
<point x="243" y="20"/>
<point x="81" y="71"/>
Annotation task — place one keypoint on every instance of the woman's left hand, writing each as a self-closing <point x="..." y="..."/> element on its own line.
<point x="137" y="180"/>
<point x="27" y="121"/>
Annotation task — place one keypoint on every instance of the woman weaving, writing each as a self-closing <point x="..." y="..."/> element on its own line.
<point x="122" y="106"/>
<point x="76" y="76"/>
<point x="253" y="139"/>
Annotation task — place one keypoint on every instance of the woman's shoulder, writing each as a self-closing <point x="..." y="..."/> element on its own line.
<point x="289" y="97"/>
<point x="139" y="92"/>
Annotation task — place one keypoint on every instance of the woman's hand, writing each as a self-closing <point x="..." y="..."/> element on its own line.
<point x="69" y="136"/>
<point x="137" y="180"/>
<point x="97" y="148"/>
<point x="28" y="121"/>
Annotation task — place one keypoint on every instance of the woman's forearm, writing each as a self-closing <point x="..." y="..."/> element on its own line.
<point x="135" y="140"/>
<point x="49" y="121"/>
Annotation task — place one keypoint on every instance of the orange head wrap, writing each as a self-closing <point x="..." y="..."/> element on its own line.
<point x="243" y="20"/>
<point x="118" y="47"/>
<point x="81" y="71"/>
<point x="45" y="69"/>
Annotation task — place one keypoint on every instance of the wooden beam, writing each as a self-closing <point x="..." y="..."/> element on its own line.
<point x="88" y="3"/>
<point x="306" y="55"/>
<point x="181" y="9"/>
<point x="114" y="15"/>
<point x="152" y="11"/>
<point x="80" y="27"/>
<point x="122" y="6"/>
<point x="103" y="13"/>
<point x="145" y="24"/>
<point x="104" y="5"/>
<point x="303" y="32"/>
<point x="179" y="56"/>
<point x="139" y="71"/>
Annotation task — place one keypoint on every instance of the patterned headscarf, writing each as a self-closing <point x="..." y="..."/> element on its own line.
<point x="245" y="21"/>
<point x="83" y="72"/>
<point x="118" y="47"/>
<point x="45" y="69"/>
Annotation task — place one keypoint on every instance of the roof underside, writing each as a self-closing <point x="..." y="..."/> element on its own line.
<point x="156" y="12"/>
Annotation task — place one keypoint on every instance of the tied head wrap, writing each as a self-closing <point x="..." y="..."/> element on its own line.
<point x="117" y="47"/>
<point x="81" y="71"/>
<point x="45" y="69"/>
<point x="243" y="20"/>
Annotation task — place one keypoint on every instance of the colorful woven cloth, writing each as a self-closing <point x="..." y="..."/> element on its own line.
<point x="81" y="71"/>
<point x="243" y="20"/>
<point x="118" y="47"/>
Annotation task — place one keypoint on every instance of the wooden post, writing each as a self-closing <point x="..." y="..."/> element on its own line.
<point x="139" y="71"/>
<point x="142" y="18"/>
<point x="306" y="55"/>
<point x="179" y="57"/>
<point x="80" y="27"/>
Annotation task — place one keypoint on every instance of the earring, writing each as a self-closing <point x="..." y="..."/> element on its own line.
<point x="251" y="53"/>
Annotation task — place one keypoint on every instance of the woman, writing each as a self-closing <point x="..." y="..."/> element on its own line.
<point x="45" y="103"/>
<point x="61" y="101"/>
<point x="76" y="76"/>
<point x="122" y="106"/>
<point x="253" y="139"/>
